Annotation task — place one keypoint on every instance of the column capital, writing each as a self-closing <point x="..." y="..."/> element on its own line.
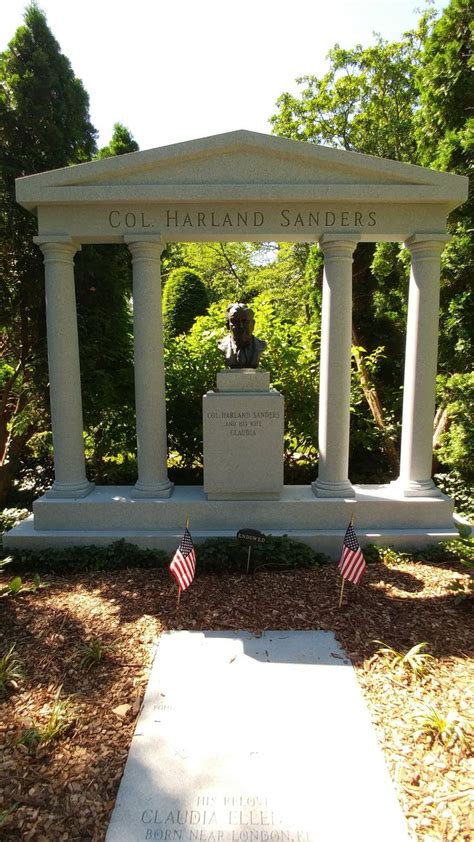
<point x="57" y="246"/>
<point x="338" y="245"/>
<point x="427" y="245"/>
<point x="148" y="246"/>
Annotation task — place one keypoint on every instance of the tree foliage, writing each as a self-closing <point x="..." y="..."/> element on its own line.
<point x="410" y="100"/>
<point x="364" y="103"/>
<point x="122" y="141"/>
<point x="445" y="137"/>
<point x="44" y="124"/>
<point x="103" y="291"/>
<point x="223" y="267"/>
<point x="445" y="122"/>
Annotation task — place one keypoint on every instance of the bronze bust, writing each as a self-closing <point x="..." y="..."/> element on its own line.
<point x="240" y="347"/>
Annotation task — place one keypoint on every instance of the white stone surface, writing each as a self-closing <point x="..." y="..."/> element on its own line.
<point x="64" y="369"/>
<point x="326" y="541"/>
<point x="270" y="189"/>
<point x="382" y="516"/>
<point x="150" y="400"/>
<point x="243" y="445"/>
<point x="335" y="368"/>
<point x="241" y="165"/>
<point x="243" y="380"/>
<point x="245" y="739"/>
<point x="420" y="367"/>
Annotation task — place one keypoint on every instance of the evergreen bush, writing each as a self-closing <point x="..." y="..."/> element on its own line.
<point x="184" y="298"/>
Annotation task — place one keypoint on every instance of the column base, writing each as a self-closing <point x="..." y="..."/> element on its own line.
<point x="416" y="488"/>
<point x="70" y="490"/>
<point x="325" y="488"/>
<point x="159" y="489"/>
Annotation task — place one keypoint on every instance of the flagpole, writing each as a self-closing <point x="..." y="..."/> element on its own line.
<point x="342" y="591"/>
<point x="248" y="558"/>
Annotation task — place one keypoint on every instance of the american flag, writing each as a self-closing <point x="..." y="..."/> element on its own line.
<point x="352" y="563"/>
<point x="183" y="564"/>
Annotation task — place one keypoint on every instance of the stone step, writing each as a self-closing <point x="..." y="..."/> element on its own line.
<point x="113" y="508"/>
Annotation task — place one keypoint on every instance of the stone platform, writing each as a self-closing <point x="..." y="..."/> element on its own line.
<point x="246" y="739"/>
<point x="110" y="513"/>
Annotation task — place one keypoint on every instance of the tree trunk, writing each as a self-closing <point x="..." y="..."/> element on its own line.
<point x="375" y="406"/>
<point x="11" y="465"/>
<point x="12" y="444"/>
<point x="441" y="425"/>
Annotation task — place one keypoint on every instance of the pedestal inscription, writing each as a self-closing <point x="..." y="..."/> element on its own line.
<point x="243" y="444"/>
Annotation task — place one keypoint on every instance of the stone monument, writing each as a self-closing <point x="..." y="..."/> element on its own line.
<point x="243" y="420"/>
<point x="246" y="187"/>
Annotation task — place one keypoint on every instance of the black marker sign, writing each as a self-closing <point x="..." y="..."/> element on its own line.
<point x="250" y="537"/>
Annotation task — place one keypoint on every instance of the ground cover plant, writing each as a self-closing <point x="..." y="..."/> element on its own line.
<point x="84" y="647"/>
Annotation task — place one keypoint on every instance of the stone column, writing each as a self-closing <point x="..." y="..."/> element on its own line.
<point x="149" y="367"/>
<point x="420" y="366"/>
<point x="64" y="370"/>
<point x="335" y="367"/>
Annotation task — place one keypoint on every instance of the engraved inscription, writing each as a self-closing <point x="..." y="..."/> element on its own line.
<point x="119" y="219"/>
<point x="284" y="218"/>
<point x="228" y="818"/>
<point x="244" y="423"/>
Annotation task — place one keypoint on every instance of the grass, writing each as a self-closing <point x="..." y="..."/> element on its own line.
<point x="415" y="661"/>
<point x="11" y="669"/>
<point x="93" y="652"/>
<point x="61" y="716"/>
<point x="444" y="728"/>
<point x="5" y="813"/>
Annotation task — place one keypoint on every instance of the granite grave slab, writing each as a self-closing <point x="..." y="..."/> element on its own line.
<point x="254" y="739"/>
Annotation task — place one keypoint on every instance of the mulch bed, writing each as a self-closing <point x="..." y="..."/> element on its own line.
<point x="65" y="789"/>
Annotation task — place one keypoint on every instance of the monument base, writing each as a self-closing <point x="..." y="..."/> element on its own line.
<point x="110" y="513"/>
<point x="243" y="427"/>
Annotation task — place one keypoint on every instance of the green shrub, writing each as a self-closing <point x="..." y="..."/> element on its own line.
<point x="219" y="555"/>
<point x="461" y="491"/>
<point x="374" y="553"/>
<point x="456" y="445"/>
<point x="459" y="550"/>
<point x="227" y="555"/>
<point x="184" y="298"/>
<point x="192" y="361"/>
<point x="117" y="556"/>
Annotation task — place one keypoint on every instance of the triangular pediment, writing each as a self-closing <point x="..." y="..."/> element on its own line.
<point x="240" y="165"/>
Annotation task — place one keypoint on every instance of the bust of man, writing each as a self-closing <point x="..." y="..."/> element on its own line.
<point x="240" y="347"/>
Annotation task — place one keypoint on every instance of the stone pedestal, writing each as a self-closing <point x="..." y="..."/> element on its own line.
<point x="243" y="423"/>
